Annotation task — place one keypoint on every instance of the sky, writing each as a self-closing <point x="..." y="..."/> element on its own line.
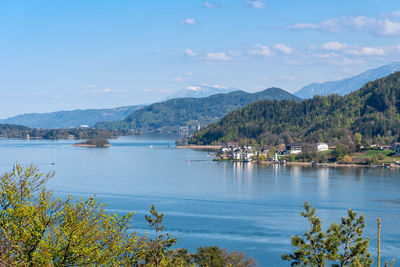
<point x="73" y="54"/>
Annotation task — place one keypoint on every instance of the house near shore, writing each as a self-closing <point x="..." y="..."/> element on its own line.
<point x="321" y="147"/>
<point x="294" y="148"/>
<point x="225" y="149"/>
<point x="245" y="153"/>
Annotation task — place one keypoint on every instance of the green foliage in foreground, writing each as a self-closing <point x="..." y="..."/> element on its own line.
<point x="373" y="112"/>
<point x="342" y="244"/>
<point x="37" y="229"/>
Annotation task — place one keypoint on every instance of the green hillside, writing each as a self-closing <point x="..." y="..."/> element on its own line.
<point x="373" y="111"/>
<point x="19" y="131"/>
<point x="72" y="118"/>
<point x="190" y="112"/>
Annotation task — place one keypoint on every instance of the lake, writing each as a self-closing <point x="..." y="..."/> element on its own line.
<point x="240" y="206"/>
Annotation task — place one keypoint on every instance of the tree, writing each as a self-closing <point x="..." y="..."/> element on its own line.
<point x="38" y="229"/>
<point x="357" y="140"/>
<point x="374" y="159"/>
<point x="347" y="159"/>
<point x="311" y="250"/>
<point x="341" y="243"/>
<point x="209" y="256"/>
<point x="262" y="157"/>
<point x="340" y="151"/>
<point x="159" y="248"/>
<point x="237" y="259"/>
<point x="345" y="241"/>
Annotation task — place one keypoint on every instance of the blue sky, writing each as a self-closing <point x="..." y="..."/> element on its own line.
<point x="62" y="55"/>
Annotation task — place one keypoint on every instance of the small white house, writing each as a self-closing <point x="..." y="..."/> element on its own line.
<point x="224" y="149"/>
<point x="236" y="153"/>
<point x="294" y="148"/>
<point x="321" y="147"/>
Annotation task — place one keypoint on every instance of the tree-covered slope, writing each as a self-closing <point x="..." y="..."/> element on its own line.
<point x="373" y="111"/>
<point x="20" y="131"/>
<point x="73" y="118"/>
<point x="191" y="112"/>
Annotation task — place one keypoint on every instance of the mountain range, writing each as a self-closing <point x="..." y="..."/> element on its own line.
<point x="70" y="119"/>
<point x="189" y="113"/>
<point x="373" y="111"/>
<point x="348" y="85"/>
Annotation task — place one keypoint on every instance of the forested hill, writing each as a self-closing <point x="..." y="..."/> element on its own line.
<point x="20" y="131"/>
<point x="190" y="112"/>
<point x="373" y="111"/>
<point x="73" y="118"/>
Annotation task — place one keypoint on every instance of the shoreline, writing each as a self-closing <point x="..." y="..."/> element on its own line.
<point x="91" y="146"/>
<point x="310" y="164"/>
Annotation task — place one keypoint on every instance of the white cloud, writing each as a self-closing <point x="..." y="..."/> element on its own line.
<point x="303" y="25"/>
<point x="284" y="48"/>
<point x="335" y="46"/>
<point x="178" y="79"/>
<point x="326" y="55"/>
<point x="261" y="50"/>
<point x="104" y="91"/>
<point x="396" y="14"/>
<point x="367" y="51"/>
<point x="190" y="22"/>
<point x="190" y="53"/>
<point x="383" y="27"/>
<point x="259" y="4"/>
<point x="219" y="56"/>
<point x="219" y="86"/>
<point x="209" y="5"/>
<point x="193" y="88"/>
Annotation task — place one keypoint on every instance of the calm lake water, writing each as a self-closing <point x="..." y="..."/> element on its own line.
<point x="244" y="206"/>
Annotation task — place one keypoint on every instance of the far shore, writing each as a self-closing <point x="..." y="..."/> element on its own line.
<point x="94" y="146"/>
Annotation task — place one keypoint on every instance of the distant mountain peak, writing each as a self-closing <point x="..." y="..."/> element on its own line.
<point x="202" y="90"/>
<point x="347" y="85"/>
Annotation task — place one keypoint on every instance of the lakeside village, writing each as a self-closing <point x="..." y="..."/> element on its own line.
<point x="319" y="154"/>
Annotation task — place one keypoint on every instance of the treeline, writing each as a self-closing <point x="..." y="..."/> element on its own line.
<point x="19" y="131"/>
<point x="173" y="114"/>
<point x="373" y="111"/>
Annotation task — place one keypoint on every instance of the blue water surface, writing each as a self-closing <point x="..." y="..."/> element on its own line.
<point x="239" y="206"/>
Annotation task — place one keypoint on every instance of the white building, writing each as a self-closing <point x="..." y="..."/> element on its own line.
<point x="224" y="149"/>
<point x="294" y="148"/>
<point x="321" y="147"/>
